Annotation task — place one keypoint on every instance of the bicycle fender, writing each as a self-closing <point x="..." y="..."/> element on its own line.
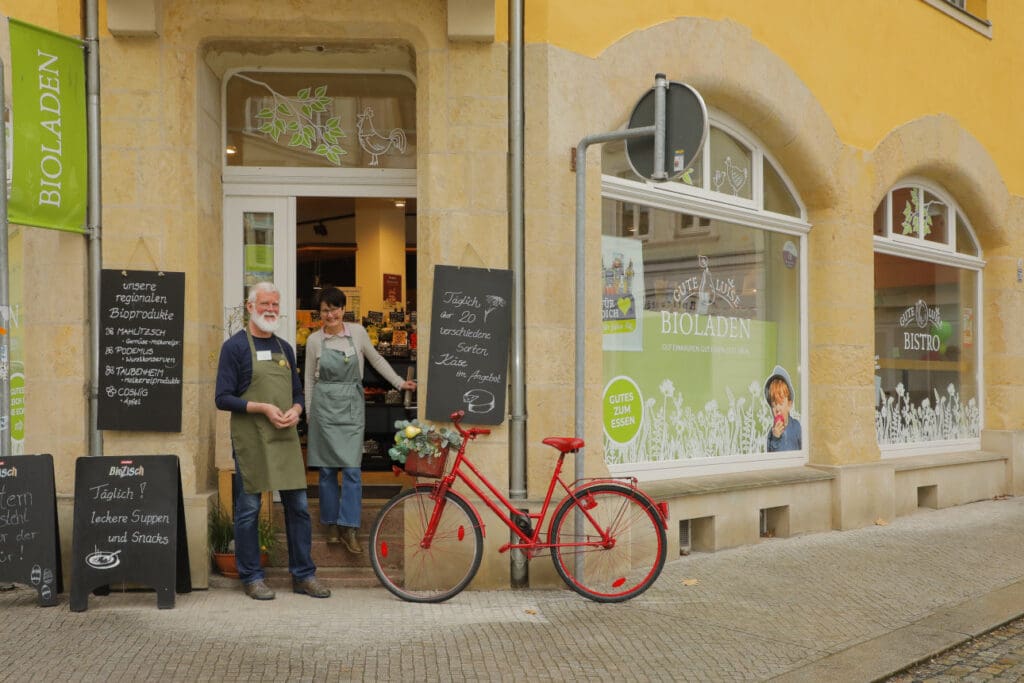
<point x="476" y="513"/>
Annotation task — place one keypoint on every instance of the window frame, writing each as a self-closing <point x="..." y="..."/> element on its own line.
<point x="919" y="249"/>
<point x="254" y="175"/>
<point x="680" y="198"/>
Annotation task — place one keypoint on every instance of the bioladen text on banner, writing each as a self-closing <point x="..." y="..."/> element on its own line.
<point x="46" y="97"/>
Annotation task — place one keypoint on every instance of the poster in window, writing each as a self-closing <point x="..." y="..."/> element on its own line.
<point x="392" y="291"/>
<point x="622" y="293"/>
<point x="715" y="321"/>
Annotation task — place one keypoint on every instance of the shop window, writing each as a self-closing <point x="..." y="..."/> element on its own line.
<point x="701" y="310"/>
<point x="737" y="172"/>
<point x="731" y="165"/>
<point x="320" y="119"/>
<point x="927" y="321"/>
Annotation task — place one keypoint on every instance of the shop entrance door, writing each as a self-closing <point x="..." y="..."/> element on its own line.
<point x="259" y="245"/>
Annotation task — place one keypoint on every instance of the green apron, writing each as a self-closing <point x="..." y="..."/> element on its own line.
<point x="269" y="459"/>
<point x="337" y="414"/>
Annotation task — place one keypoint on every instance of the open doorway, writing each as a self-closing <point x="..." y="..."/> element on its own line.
<point x="366" y="247"/>
<point x="353" y="243"/>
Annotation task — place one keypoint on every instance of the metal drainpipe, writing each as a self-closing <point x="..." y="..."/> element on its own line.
<point x="517" y="393"/>
<point x="92" y="108"/>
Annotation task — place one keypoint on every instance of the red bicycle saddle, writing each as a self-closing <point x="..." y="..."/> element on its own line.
<point x="564" y="443"/>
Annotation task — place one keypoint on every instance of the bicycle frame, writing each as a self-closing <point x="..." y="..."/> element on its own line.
<point x="531" y="544"/>
<point x="605" y="536"/>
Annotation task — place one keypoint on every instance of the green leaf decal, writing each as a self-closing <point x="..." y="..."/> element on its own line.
<point x="295" y="117"/>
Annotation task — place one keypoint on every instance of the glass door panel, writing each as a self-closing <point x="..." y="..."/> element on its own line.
<point x="259" y="245"/>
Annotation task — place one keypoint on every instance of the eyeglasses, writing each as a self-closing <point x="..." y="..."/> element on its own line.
<point x="324" y="312"/>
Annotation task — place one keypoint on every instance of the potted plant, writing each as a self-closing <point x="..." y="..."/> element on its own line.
<point x="422" y="448"/>
<point x="221" y="532"/>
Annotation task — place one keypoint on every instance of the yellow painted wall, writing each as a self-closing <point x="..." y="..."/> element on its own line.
<point x="872" y="64"/>
<point x="62" y="16"/>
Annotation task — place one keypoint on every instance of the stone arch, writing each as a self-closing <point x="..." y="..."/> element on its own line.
<point x="742" y="77"/>
<point x="938" y="148"/>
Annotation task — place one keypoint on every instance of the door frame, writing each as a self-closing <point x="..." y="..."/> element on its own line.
<point x="276" y="191"/>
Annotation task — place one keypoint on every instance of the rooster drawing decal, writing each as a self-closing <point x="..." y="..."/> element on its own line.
<point x="375" y="144"/>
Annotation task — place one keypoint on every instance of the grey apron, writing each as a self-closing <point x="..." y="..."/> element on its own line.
<point x="337" y="414"/>
<point x="269" y="459"/>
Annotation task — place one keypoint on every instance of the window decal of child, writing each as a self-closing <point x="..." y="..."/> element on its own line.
<point x="785" y="434"/>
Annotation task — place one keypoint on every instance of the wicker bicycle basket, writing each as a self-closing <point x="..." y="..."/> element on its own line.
<point x="430" y="466"/>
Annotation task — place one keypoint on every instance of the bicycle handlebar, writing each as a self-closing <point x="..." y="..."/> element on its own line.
<point x="472" y="432"/>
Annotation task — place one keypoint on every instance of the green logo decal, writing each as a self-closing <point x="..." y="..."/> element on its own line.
<point x="623" y="410"/>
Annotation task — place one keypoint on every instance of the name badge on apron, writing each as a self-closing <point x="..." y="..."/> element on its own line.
<point x="263" y="355"/>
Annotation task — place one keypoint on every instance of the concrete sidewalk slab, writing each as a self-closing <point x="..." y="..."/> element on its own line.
<point x="838" y="606"/>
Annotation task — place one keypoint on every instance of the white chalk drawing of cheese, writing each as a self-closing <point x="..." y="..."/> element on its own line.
<point x="478" y="401"/>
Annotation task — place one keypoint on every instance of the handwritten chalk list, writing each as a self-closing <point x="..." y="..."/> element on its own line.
<point x="469" y="337"/>
<point x="29" y="536"/>
<point x="141" y="337"/>
<point x="129" y="525"/>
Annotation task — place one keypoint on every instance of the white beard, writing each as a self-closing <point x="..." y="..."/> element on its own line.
<point x="268" y="326"/>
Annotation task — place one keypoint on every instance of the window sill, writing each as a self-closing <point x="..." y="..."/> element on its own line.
<point x="982" y="26"/>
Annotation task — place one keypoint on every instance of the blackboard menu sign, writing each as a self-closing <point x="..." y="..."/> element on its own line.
<point x="129" y="527"/>
<point x="375" y="317"/>
<point x="29" y="536"/>
<point x="141" y="333"/>
<point x="469" y="336"/>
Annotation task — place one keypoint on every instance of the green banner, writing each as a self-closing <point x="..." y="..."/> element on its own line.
<point x="49" y="187"/>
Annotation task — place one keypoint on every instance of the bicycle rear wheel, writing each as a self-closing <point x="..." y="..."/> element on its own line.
<point x="420" y="572"/>
<point x="631" y="559"/>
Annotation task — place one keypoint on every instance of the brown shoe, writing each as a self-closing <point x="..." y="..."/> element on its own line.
<point x="333" y="533"/>
<point x="311" y="587"/>
<point x="348" y="538"/>
<point x="258" y="590"/>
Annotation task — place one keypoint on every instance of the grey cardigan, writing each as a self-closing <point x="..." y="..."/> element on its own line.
<point x="364" y="350"/>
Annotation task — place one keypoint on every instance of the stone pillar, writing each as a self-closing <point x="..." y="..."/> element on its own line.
<point x="841" y="364"/>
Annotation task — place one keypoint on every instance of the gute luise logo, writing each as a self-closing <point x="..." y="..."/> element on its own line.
<point x="695" y="295"/>
<point x="922" y="317"/>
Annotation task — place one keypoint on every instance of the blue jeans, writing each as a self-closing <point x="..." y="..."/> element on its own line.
<point x="348" y="510"/>
<point x="297" y="526"/>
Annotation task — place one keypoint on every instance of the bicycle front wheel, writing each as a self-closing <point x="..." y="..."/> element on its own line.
<point x="414" y="568"/>
<point x="619" y="549"/>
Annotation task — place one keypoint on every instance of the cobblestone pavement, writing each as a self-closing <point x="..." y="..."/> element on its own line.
<point x="840" y="606"/>
<point x="997" y="656"/>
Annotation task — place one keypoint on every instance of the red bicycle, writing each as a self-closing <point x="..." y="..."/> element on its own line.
<point x="606" y="536"/>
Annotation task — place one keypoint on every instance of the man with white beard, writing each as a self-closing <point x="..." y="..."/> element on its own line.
<point x="258" y="383"/>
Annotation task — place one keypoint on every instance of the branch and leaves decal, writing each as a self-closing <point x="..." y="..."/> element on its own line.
<point x="297" y="118"/>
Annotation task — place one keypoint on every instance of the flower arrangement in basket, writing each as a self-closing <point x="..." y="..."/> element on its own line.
<point x="423" y="449"/>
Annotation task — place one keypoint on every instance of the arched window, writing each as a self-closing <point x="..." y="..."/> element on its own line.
<point x="703" y="303"/>
<point x="928" y="270"/>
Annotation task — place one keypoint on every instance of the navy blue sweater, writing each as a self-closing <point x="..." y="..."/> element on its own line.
<point x="234" y="371"/>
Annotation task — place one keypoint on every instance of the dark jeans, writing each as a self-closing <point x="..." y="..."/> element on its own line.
<point x="346" y="508"/>
<point x="297" y="526"/>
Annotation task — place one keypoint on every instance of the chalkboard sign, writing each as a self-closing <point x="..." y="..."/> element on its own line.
<point x="469" y="333"/>
<point x="129" y="527"/>
<point x="142" y="328"/>
<point x="29" y="537"/>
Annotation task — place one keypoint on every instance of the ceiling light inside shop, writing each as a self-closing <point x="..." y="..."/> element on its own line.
<point x="399" y="203"/>
<point x="231" y="149"/>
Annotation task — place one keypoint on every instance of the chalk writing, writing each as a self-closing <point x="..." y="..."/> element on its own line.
<point x="142" y="350"/>
<point x="469" y="343"/>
